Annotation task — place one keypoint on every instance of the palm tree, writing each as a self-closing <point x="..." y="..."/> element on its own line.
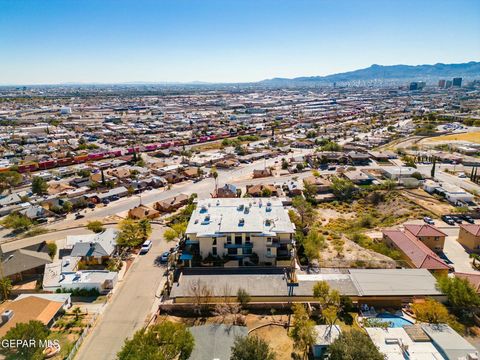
<point x="145" y="228"/>
<point x="214" y="173"/>
<point x="76" y="311"/>
<point x="475" y="258"/>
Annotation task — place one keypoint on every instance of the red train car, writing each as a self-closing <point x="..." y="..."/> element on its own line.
<point x="43" y="165"/>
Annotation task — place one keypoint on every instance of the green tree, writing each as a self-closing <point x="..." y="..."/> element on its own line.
<point x="52" y="249"/>
<point x="5" y="287"/>
<point x="462" y="297"/>
<point x="164" y="341"/>
<point x="251" y="348"/>
<point x="303" y="331"/>
<point x="354" y="345"/>
<point x="305" y="211"/>
<point x="76" y="312"/>
<point x="39" y="185"/>
<point x="9" y="179"/>
<point x="170" y="235"/>
<point x="313" y="243"/>
<point x="96" y="226"/>
<point x="26" y="331"/>
<point x="67" y="206"/>
<point x="243" y="297"/>
<point x="343" y="189"/>
<point x="431" y="311"/>
<point x="325" y="295"/>
<point x="130" y="233"/>
<point x="16" y="222"/>
<point x="180" y="228"/>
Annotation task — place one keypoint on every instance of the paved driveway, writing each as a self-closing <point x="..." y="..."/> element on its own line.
<point x="129" y="307"/>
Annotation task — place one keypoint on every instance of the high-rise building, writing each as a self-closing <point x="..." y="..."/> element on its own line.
<point x="448" y="84"/>
<point x="417" y="85"/>
<point x="457" y="82"/>
<point x="441" y="84"/>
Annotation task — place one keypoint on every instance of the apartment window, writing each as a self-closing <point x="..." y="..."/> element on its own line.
<point x="238" y="239"/>
<point x="247" y="239"/>
<point x="214" y="251"/>
<point x="232" y="251"/>
<point x="247" y="251"/>
<point x="214" y="242"/>
<point x="269" y="251"/>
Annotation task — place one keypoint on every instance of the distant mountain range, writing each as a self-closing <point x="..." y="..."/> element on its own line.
<point x="390" y="73"/>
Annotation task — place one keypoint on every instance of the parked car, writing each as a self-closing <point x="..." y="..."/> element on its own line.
<point x="457" y="219"/>
<point x="468" y="219"/>
<point x="164" y="257"/>
<point x="429" y="220"/>
<point x="105" y="201"/>
<point x="115" y="198"/>
<point x="42" y="220"/>
<point x="146" y="246"/>
<point x="79" y="216"/>
<point x="91" y="205"/>
<point x="448" y="220"/>
<point x="462" y="175"/>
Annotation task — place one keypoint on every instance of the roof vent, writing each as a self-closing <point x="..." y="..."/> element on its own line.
<point x="241" y="222"/>
<point x="203" y="209"/>
<point x="247" y="210"/>
<point x="268" y="209"/>
<point x="268" y="222"/>
<point x="6" y="316"/>
<point x="240" y="207"/>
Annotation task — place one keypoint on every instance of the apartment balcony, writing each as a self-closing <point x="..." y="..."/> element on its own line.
<point x="274" y="244"/>
<point x="238" y="246"/>
<point x="191" y="242"/>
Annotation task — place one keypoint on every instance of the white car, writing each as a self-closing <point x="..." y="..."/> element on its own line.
<point x="147" y="245"/>
<point x="462" y="175"/>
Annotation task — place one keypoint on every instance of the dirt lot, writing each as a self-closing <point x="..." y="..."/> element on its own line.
<point x="426" y="201"/>
<point x="353" y="255"/>
<point x="470" y="136"/>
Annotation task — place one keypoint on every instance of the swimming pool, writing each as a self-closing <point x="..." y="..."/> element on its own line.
<point x="394" y="320"/>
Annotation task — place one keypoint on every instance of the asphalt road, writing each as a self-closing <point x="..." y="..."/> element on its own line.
<point x="129" y="307"/>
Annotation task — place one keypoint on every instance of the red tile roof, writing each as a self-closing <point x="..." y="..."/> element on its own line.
<point x="423" y="230"/>
<point x="419" y="253"/>
<point x="473" y="229"/>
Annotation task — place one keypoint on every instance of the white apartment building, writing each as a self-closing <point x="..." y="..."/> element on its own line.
<point x="242" y="229"/>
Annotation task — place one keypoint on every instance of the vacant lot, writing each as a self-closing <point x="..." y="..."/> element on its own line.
<point x="470" y="136"/>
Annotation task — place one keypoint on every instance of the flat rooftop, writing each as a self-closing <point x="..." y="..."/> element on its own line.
<point x="236" y="215"/>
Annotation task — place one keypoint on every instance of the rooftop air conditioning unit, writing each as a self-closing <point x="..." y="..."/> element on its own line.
<point x="6" y="316"/>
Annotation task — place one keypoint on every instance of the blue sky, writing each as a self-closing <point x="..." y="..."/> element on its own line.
<point x="56" y="41"/>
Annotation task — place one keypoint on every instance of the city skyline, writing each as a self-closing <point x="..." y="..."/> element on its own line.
<point x="240" y="41"/>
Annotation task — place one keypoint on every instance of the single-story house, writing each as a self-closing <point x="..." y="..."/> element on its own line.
<point x="171" y="204"/>
<point x="93" y="248"/>
<point x="261" y="189"/>
<point x="24" y="263"/>
<point x="143" y="212"/>
<point x="215" y="341"/>
<point x="28" y="309"/>
<point x="378" y="287"/>
<point x="63" y="275"/>
<point x="227" y="191"/>
<point x="326" y="335"/>
<point x="262" y="173"/>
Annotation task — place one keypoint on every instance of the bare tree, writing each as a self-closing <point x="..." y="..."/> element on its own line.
<point x="202" y="295"/>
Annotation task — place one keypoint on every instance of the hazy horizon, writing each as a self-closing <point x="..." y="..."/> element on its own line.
<point x="236" y="41"/>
